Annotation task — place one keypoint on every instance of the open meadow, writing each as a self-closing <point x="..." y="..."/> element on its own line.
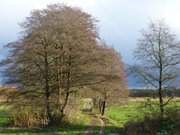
<point x="115" y="120"/>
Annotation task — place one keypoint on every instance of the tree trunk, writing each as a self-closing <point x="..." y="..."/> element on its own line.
<point x="103" y="107"/>
<point x="68" y="83"/>
<point x="161" y="106"/>
<point x="100" y="105"/>
<point x="47" y="92"/>
<point x="58" y="77"/>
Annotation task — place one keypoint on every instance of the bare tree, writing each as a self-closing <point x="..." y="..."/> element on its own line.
<point x="111" y="69"/>
<point x="53" y="56"/>
<point x="158" y="59"/>
<point x="58" y="53"/>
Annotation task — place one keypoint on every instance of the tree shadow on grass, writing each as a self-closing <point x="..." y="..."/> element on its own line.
<point x="67" y="130"/>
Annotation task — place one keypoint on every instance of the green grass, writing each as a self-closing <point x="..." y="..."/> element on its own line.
<point x="48" y="131"/>
<point x="77" y="125"/>
<point x="117" y="116"/>
<point x="135" y="111"/>
<point x="4" y="116"/>
<point x="120" y="115"/>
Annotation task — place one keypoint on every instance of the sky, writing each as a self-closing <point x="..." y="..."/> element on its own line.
<point x="120" y="21"/>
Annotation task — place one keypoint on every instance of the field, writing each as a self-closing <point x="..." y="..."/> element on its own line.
<point x="116" y="117"/>
<point x="120" y="115"/>
<point x="77" y="126"/>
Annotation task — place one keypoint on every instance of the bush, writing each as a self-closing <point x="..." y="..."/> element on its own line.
<point x="26" y="118"/>
<point x="153" y="125"/>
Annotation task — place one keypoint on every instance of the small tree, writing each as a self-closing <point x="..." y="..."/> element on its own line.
<point x="158" y="58"/>
<point x="111" y="70"/>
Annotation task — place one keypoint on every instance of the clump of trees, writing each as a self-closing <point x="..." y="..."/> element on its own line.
<point x="158" y="60"/>
<point x="58" y="53"/>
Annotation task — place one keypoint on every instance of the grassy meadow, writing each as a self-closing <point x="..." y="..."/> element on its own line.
<point x="116" y="118"/>
<point x="136" y="110"/>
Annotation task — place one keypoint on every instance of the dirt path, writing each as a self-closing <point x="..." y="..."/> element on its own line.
<point x="89" y="130"/>
<point x="95" y="121"/>
<point x="102" y="127"/>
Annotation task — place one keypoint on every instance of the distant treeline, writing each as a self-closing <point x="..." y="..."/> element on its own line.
<point x="152" y="93"/>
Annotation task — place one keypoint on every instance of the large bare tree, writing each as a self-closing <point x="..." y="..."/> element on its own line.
<point x="58" y="53"/>
<point x="158" y="55"/>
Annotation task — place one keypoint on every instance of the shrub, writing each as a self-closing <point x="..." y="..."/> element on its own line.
<point x="26" y="118"/>
<point x="152" y="126"/>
